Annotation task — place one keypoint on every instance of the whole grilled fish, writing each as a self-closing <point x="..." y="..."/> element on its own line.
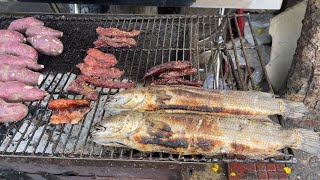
<point x="201" y="134"/>
<point x="186" y="99"/>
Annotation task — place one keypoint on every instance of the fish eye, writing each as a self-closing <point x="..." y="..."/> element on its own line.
<point x="100" y="128"/>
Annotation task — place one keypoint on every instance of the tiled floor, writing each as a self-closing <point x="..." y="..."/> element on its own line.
<point x="256" y="171"/>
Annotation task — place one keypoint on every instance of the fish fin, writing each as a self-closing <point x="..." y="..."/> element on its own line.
<point x="295" y="109"/>
<point x="310" y="141"/>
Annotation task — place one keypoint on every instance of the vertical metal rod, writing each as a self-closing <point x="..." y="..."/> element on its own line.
<point x="76" y="8"/>
<point x="170" y="39"/>
<point x="262" y="63"/>
<point x="178" y="38"/>
<point x="218" y="57"/>
<point x="244" y="53"/>
<point x="236" y="59"/>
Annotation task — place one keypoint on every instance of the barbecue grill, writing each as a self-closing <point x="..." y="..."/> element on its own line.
<point x="163" y="38"/>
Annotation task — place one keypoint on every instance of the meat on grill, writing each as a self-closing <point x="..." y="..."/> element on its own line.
<point x="14" y="91"/>
<point x="12" y="112"/>
<point x="177" y="81"/>
<point x="116" y="42"/>
<point x="11" y="36"/>
<point x="80" y="87"/>
<point x="189" y="134"/>
<point x="19" y="73"/>
<point x="169" y="66"/>
<point x="18" y="49"/>
<point x="178" y="73"/>
<point x="20" y="61"/>
<point x="106" y="83"/>
<point x="90" y="61"/>
<point x="102" y="57"/>
<point x="43" y="30"/>
<point x="64" y="103"/>
<point x="100" y="72"/>
<point x="69" y="116"/>
<point x="21" y="25"/>
<point x="115" y="32"/>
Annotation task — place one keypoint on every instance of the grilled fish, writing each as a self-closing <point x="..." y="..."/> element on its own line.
<point x="186" y="99"/>
<point x="190" y="134"/>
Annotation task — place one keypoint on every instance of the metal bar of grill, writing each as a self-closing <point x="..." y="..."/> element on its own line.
<point x="163" y="39"/>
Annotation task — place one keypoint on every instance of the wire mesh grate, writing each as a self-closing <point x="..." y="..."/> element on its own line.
<point x="162" y="39"/>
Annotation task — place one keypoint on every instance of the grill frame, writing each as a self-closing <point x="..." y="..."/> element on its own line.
<point x="57" y="70"/>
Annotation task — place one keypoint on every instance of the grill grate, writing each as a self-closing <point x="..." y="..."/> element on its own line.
<point x="163" y="38"/>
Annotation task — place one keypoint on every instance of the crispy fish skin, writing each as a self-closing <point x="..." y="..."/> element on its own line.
<point x="186" y="99"/>
<point x="189" y="134"/>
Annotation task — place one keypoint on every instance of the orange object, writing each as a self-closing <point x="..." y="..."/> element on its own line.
<point x="68" y="103"/>
<point x="68" y="116"/>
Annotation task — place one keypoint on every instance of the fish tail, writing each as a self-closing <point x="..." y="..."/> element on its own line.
<point x="295" y="109"/>
<point x="310" y="141"/>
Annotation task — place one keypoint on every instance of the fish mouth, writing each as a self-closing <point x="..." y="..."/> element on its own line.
<point x="114" y="144"/>
<point x="105" y="142"/>
<point x="118" y="100"/>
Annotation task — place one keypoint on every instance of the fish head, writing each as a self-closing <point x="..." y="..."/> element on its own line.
<point x="125" y="101"/>
<point x="116" y="130"/>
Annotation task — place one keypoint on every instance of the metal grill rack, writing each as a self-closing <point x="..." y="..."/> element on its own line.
<point x="163" y="38"/>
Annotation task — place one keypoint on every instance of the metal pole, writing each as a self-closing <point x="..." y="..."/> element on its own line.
<point x="218" y="57"/>
<point x="76" y="9"/>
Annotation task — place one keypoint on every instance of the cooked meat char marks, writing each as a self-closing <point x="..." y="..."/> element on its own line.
<point x="115" y="32"/>
<point x="178" y="73"/>
<point x="90" y="61"/>
<point x="115" y="42"/>
<point x="80" y="87"/>
<point x="109" y="42"/>
<point x="177" y="81"/>
<point x="105" y="82"/>
<point x="69" y="116"/>
<point x="102" y="57"/>
<point x="170" y="143"/>
<point x="68" y="103"/>
<point x="170" y="66"/>
<point x="100" y="72"/>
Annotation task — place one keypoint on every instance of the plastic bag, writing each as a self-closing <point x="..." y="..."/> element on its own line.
<point x="252" y="58"/>
<point x="260" y="25"/>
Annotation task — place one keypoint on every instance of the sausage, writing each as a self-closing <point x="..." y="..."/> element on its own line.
<point x="68" y="103"/>
<point x="47" y="45"/>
